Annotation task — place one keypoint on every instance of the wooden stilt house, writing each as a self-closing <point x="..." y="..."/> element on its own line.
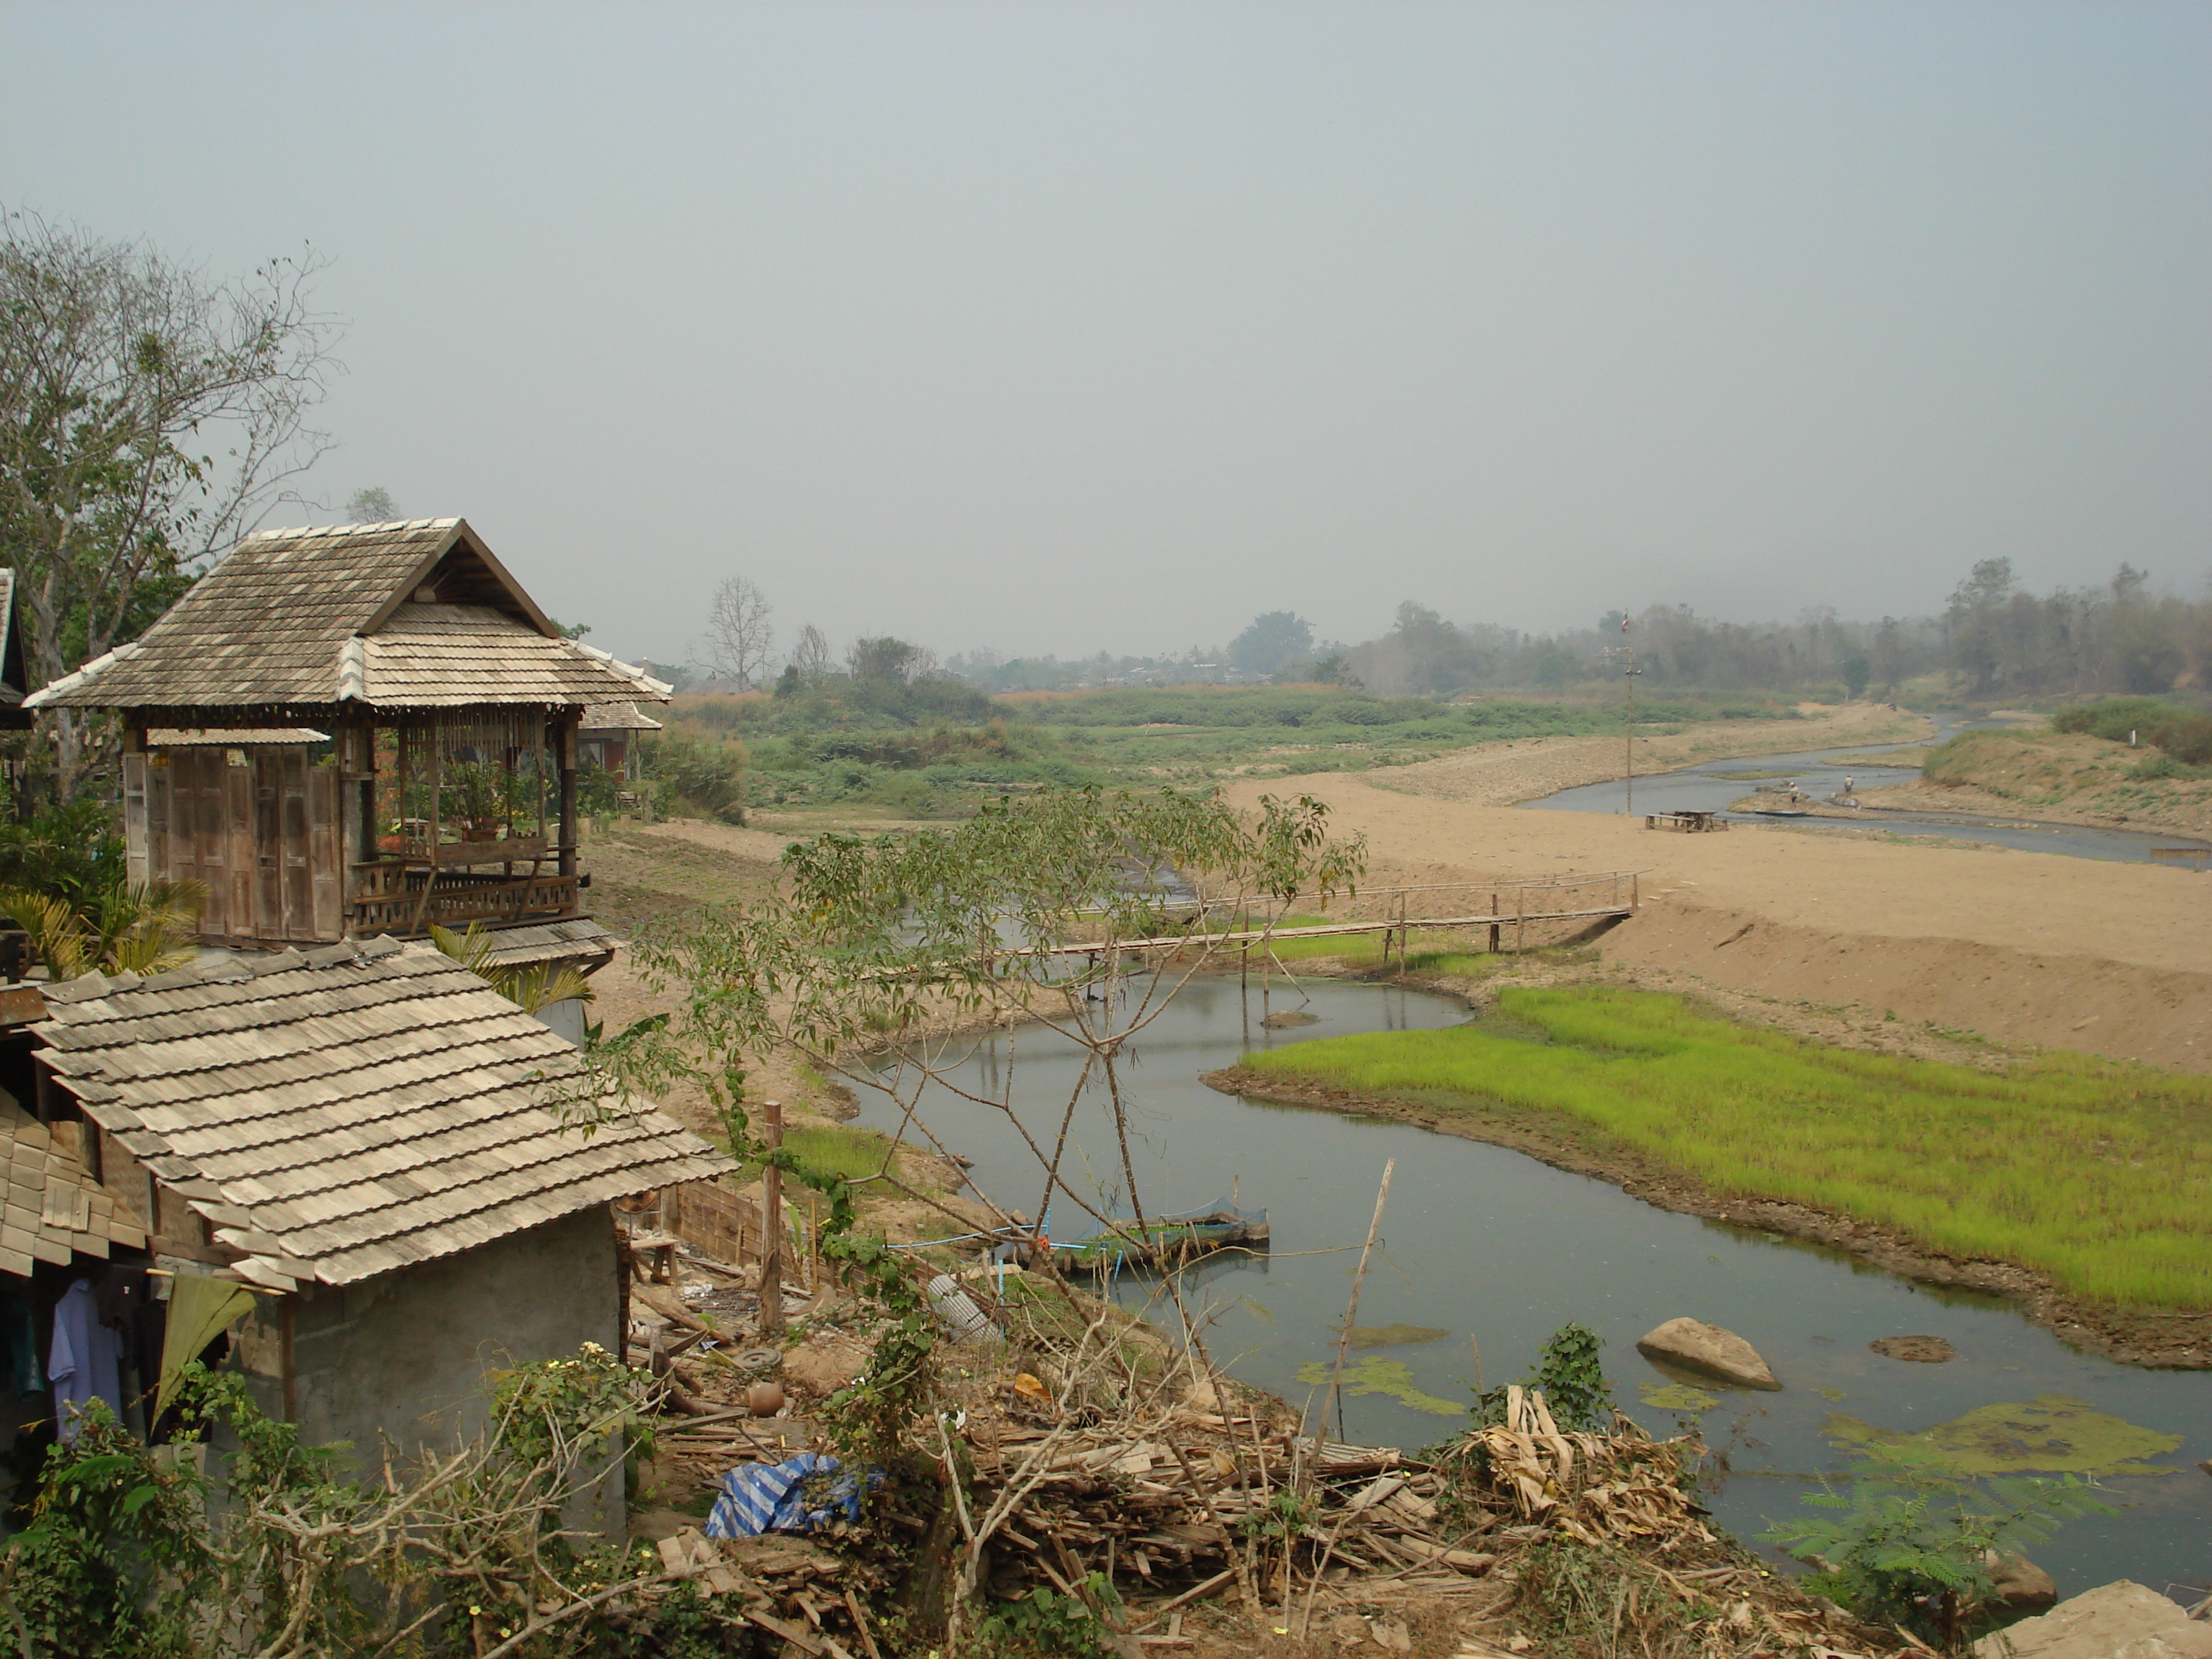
<point x="354" y="731"/>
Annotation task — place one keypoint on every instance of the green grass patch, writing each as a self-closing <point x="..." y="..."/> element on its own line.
<point x="835" y="1148"/>
<point x="2097" y="1172"/>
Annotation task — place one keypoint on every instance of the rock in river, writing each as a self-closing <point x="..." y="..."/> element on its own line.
<point x="1709" y="1350"/>
<point x="1927" y="1350"/>
<point x="2119" y="1618"/>
<point x="2020" y="1582"/>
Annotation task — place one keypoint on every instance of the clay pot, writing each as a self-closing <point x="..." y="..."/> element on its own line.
<point x="764" y="1398"/>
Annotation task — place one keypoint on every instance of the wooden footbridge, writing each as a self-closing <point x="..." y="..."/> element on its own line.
<point x="1515" y="904"/>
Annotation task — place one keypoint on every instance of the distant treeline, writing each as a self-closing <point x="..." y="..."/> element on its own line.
<point x="1994" y="640"/>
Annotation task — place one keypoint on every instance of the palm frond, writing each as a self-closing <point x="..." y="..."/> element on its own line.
<point x="529" y="986"/>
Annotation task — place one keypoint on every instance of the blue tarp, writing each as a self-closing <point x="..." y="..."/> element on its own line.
<point x="805" y="1493"/>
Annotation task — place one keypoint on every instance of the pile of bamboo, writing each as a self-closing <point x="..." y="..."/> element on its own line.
<point x="786" y="1586"/>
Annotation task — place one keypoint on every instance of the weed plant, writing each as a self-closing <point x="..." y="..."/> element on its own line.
<point x="2097" y="1172"/>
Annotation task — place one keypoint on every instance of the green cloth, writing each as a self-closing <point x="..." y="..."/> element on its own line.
<point x="201" y="1308"/>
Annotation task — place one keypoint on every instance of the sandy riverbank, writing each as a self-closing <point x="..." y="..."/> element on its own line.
<point x="2023" y="948"/>
<point x="1503" y="774"/>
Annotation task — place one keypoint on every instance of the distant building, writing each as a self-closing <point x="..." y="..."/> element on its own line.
<point x="609" y="736"/>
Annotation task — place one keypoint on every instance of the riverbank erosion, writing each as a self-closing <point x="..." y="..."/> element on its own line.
<point x="2020" y="948"/>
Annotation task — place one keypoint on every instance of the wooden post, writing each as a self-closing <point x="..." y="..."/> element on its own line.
<point x="1496" y="943"/>
<point x="565" y="758"/>
<point x="622" y="1271"/>
<point x="437" y="814"/>
<point x="771" y="1279"/>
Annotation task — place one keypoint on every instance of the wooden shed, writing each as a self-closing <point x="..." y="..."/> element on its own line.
<point x="361" y="1135"/>
<point x="445" y="789"/>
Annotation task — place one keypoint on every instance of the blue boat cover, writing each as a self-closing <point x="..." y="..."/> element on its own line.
<point x="799" y="1495"/>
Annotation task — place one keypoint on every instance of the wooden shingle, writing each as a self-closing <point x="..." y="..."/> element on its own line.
<point x="398" y="617"/>
<point x="338" y="1120"/>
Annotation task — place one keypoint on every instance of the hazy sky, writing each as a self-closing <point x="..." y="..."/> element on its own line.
<point x="1064" y="327"/>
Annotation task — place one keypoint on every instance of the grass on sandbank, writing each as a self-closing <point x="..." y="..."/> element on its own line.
<point x="2096" y="1172"/>
<point x="838" y="1149"/>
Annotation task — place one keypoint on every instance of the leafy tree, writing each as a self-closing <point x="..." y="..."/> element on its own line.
<point x="864" y="941"/>
<point x="884" y="661"/>
<point x="373" y="505"/>
<point x="1275" y="637"/>
<point x="1856" y="670"/>
<point x="1909" y="1544"/>
<point x="117" y="365"/>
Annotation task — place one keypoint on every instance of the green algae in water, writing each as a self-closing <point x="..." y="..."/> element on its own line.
<point x="2052" y="1434"/>
<point x="1394" y="1336"/>
<point x="1385" y="1376"/>
<point x="1675" y="1397"/>
<point x="1829" y="1393"/>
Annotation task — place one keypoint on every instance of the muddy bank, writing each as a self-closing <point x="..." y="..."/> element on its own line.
<point x="2180" y="1341"/>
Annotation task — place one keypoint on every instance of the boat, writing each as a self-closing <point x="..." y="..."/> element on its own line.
<point x="1164" y="1239"/>
<point x="1782" y="811"/>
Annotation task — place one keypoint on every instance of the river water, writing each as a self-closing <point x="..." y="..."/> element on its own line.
<point x="1821" y="775"/>
<point x="1480" y="1241"/>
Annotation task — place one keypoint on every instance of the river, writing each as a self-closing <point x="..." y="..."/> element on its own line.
<point x="1713" y="786"/>
<point x="1480" y="1241"/>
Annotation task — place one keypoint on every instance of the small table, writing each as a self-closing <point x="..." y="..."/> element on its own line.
<point x="660" y="1248"/>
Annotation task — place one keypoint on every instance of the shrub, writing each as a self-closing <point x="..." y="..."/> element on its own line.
<point x="2181" y="732"/>
<point x="696" y="777"/>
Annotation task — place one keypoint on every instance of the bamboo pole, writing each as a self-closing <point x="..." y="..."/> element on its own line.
<point x="771" y="1279"/>
<point x="1351" y="1312"/>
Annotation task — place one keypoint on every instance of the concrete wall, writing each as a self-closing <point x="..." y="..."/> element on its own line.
<point x="405" y="1356"/>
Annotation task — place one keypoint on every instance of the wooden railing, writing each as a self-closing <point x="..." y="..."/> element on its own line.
<point x="388" y="898"/>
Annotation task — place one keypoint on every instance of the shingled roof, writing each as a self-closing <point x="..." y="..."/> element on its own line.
<point x="617" y="717"/>
<point x="13" y="667"/>
<point x="50" y="1208"/>
<point x="343" y="1112"/>
<point x="316" y="619"/>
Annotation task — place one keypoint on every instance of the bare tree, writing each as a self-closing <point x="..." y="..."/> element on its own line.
<point x="738" y="636"/>
<point x="811" y="655"/>
<point x="114" y="359"/>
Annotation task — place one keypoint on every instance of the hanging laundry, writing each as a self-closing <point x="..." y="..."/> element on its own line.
<point x="83" y="1364"/>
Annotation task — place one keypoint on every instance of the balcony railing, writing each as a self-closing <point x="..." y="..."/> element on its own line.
<point x="390" y="898"/>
